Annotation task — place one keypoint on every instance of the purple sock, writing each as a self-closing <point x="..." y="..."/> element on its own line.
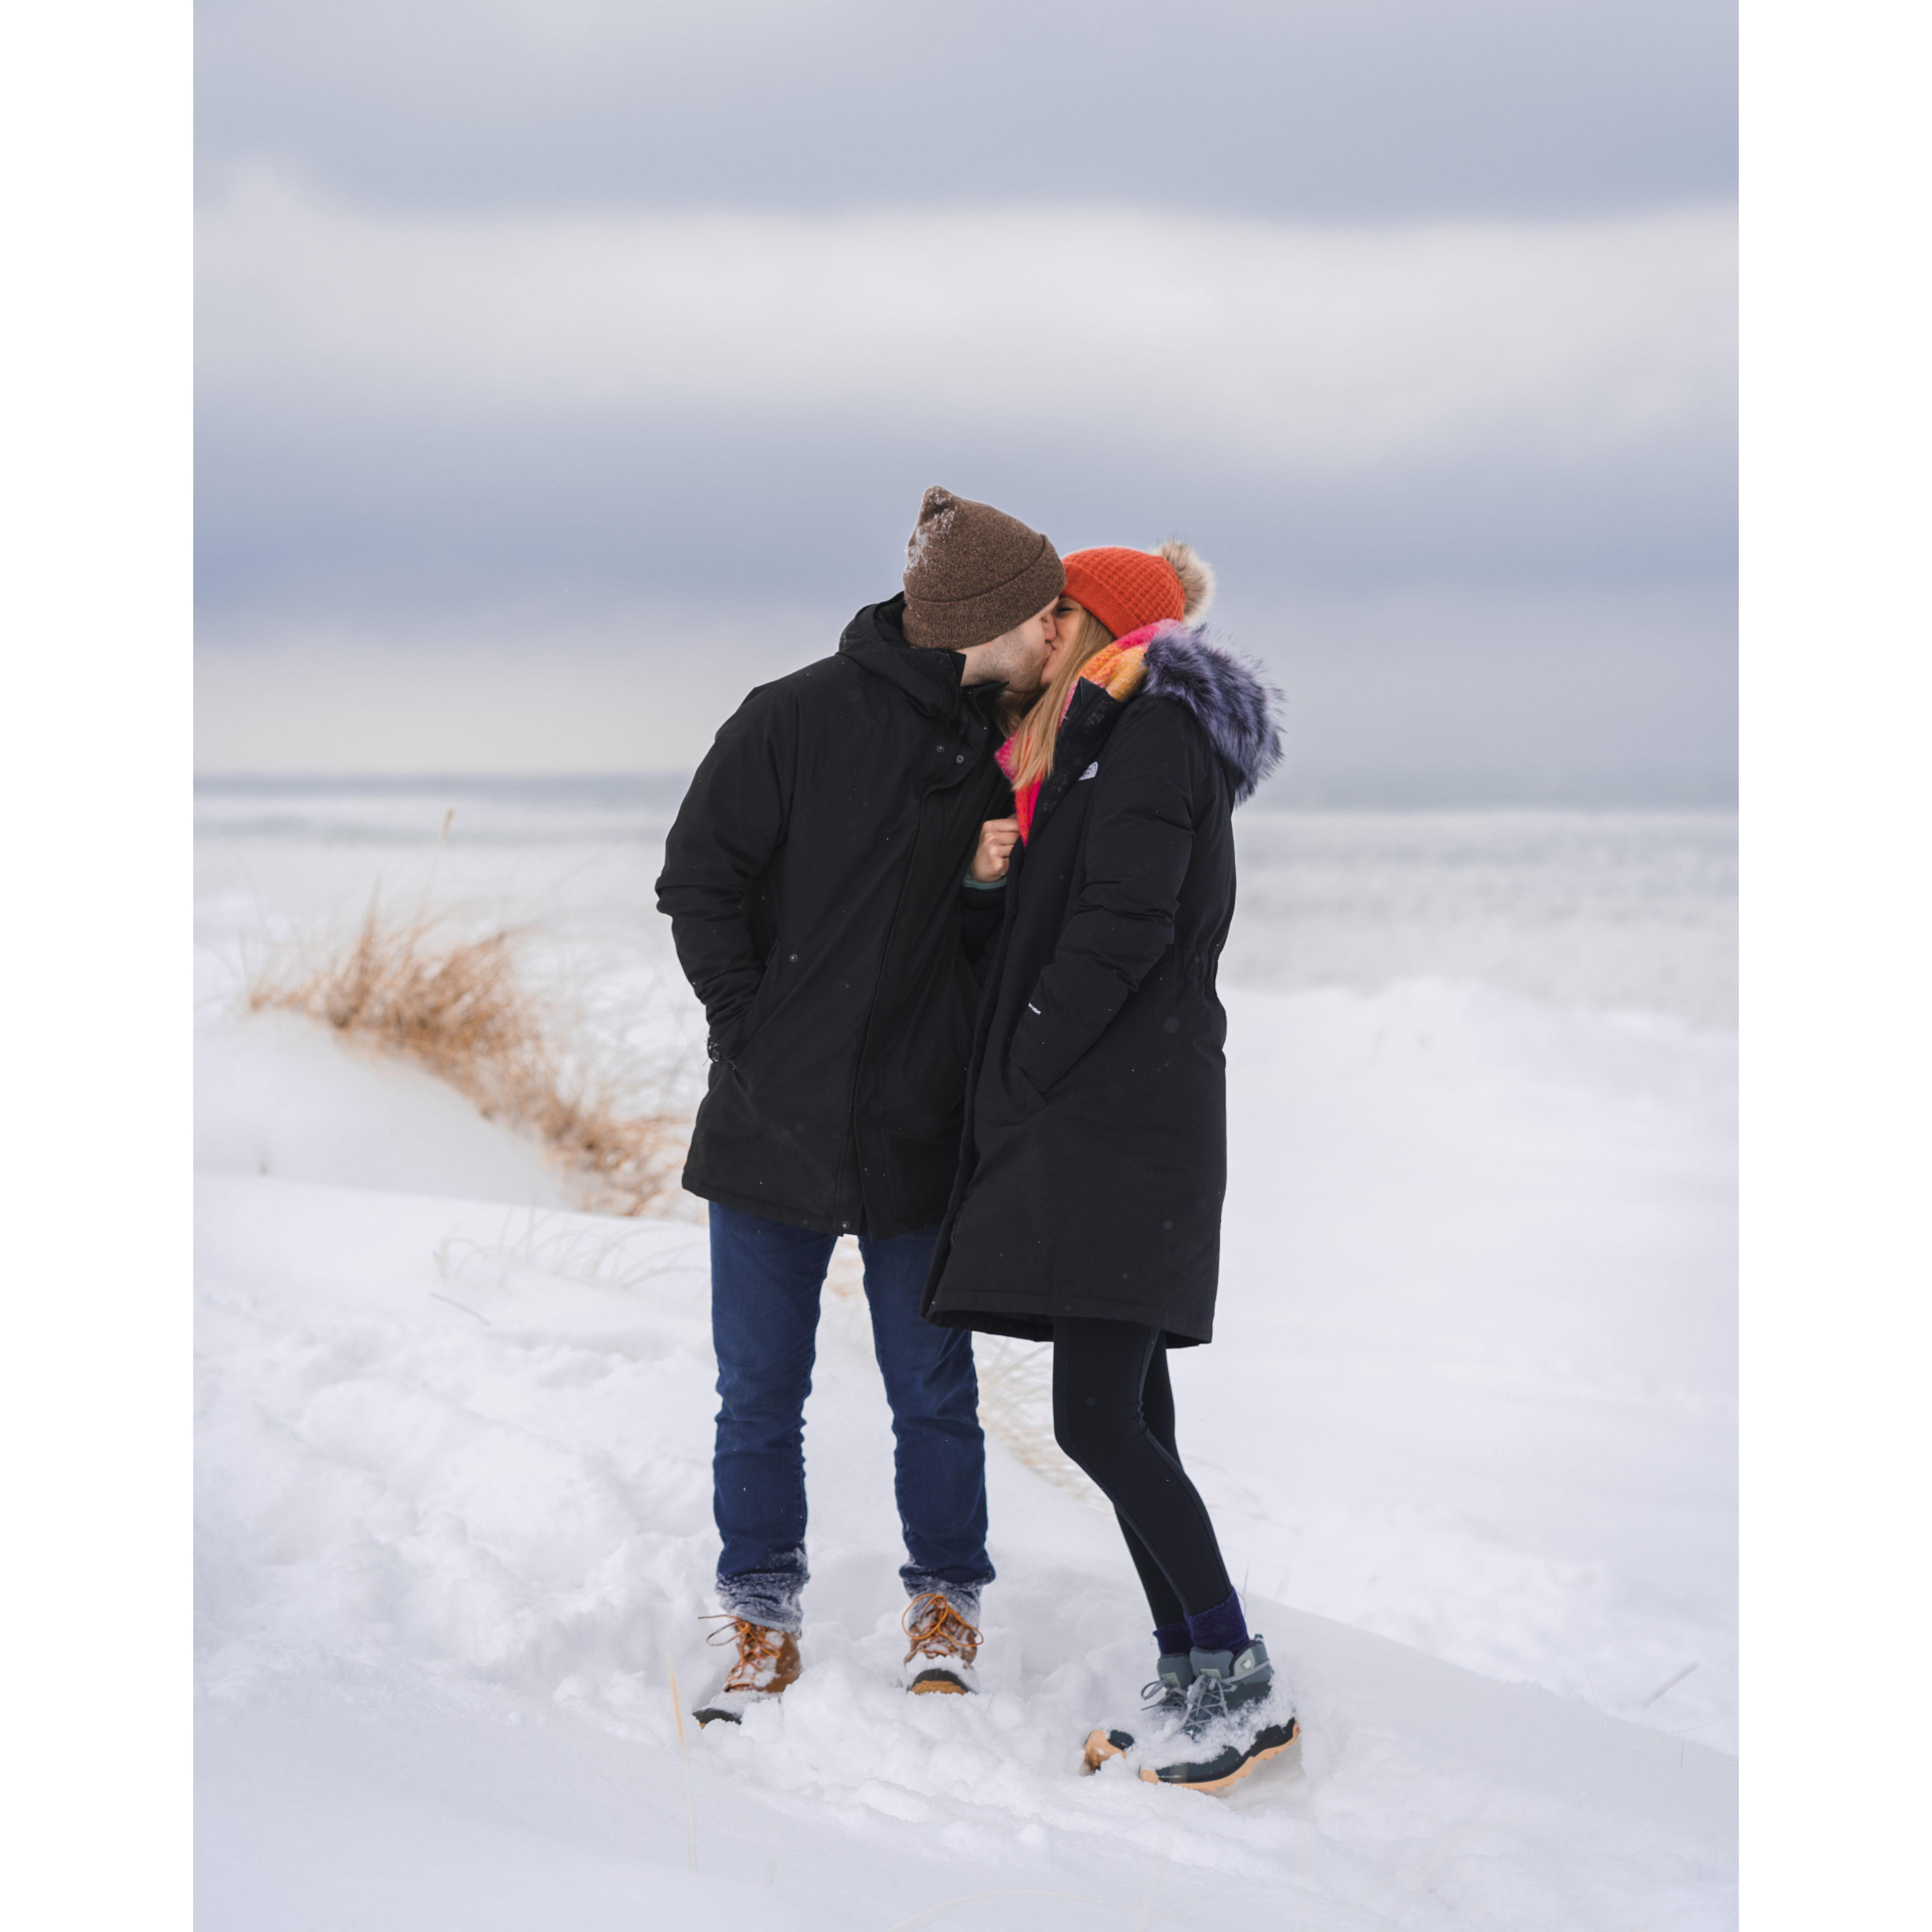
<point x="1222" y="1628"/>
<point x="1172" y="1639"/>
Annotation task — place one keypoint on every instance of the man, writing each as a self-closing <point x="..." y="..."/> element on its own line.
<point x="817" y="883"/>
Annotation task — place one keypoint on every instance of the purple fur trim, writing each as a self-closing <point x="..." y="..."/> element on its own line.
<point x="1235" y="708"/>
<point x="1172" y="1639"/>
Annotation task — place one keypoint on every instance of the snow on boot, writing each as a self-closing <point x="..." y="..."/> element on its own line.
<point x="767" y="1661"/>
<point x="1236" y="1717"/>
<point x="1164" y="1702"/>
<point x="944" y="1646"/>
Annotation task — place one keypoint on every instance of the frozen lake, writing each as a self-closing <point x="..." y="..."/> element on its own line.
<point x="1593" y="909"/>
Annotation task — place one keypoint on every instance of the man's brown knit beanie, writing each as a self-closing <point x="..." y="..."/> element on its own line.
<point x="973" y="573"/>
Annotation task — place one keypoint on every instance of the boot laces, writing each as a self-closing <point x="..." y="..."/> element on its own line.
<point x="1207" y="1700"/>
<point x="938" y="1630"/>
<point x="759" y="1648"/>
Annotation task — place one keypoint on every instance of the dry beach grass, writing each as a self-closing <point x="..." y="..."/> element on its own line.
<point x="461" y="1009"/>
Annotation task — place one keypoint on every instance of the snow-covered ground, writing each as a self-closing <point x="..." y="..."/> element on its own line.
<point x="1469" y="1434"/>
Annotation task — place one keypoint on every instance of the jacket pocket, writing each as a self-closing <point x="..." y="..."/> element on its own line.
<point x="751" y="1021"/>
<point x="1024" y="1056"/>
<point x="1028" y="1059"/>
<point x="1028" y="1096"/>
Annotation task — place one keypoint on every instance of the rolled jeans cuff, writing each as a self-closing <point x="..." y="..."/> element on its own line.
<point x="964" y="1597"/>
<point x="771" y="1597"/>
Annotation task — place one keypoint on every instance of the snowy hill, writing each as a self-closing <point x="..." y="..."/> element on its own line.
<point x="456" y="1535"/>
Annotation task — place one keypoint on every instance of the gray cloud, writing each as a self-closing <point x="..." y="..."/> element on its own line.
<point x="486" y="403"/>
<point x="1286" y="348"/>
<point x="461" y="519"/>
<point x="1321" y="109"/>
<point x="551" y="350"/>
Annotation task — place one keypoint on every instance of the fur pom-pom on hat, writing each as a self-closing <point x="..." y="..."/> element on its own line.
<point x="1128" y="589"/>
<point x="1197" y="580"/>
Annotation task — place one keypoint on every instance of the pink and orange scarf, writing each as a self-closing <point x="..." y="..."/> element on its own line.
<point x="1118" y="669"/>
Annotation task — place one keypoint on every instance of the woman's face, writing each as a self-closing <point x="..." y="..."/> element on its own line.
<point x="1066" y="616"/>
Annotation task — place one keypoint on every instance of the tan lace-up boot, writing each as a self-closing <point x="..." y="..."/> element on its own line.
<point x="944" y="1646"/>
<point x="766" y="1661"/>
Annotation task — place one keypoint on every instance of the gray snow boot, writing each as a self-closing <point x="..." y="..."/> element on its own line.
<point x="1164" y="1702"/>
<point x="1236" y="1718"/>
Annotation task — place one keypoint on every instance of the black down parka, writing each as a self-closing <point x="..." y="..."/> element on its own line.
<point x="1091" y="1176"/>
<point x="814" y="882"/>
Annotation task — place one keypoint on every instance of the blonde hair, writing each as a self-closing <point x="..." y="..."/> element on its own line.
<point x="1038" y="730"/>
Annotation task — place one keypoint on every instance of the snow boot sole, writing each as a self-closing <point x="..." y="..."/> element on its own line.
<point x="1214" y="1776"/>
<point x="941" y="1682"/>
<point x="1173" y="1672"/>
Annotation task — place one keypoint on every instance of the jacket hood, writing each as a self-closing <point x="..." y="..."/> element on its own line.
<point x="1228" y="698"/>
<point x="875" y="640"/>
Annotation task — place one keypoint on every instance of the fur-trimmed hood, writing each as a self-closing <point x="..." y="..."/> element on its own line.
<point x="1227" y="696"/>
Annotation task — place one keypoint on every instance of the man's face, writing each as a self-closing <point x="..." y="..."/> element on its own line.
<point x="1030" y="648"/>
<point x="1017" y="660"/>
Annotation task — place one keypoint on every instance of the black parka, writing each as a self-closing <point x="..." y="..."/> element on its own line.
<point x="814" y="882"/>
<point x="1093" y="1169"/>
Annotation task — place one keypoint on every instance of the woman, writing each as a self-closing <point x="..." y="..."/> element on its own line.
<point x="1087" y="1208"/>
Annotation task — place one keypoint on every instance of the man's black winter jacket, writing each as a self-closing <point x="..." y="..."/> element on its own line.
<point x="813" y="880"/>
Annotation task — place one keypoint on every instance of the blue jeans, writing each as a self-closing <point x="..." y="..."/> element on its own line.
<point x="765" y="1282"/>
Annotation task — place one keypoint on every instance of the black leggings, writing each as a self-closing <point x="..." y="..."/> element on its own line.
<point x="1113" y="1414"/>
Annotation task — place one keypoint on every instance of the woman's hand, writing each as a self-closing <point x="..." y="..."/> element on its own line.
<point x="998" y="838"/>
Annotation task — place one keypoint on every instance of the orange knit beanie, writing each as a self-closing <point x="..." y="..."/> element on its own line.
<point x="1125" y="589"/>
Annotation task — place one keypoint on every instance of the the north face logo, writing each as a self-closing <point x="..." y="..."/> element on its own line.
<point x="1089" y="772"/>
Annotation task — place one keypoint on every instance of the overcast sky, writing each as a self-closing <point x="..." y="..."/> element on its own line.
<point x="568" y="365"/>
